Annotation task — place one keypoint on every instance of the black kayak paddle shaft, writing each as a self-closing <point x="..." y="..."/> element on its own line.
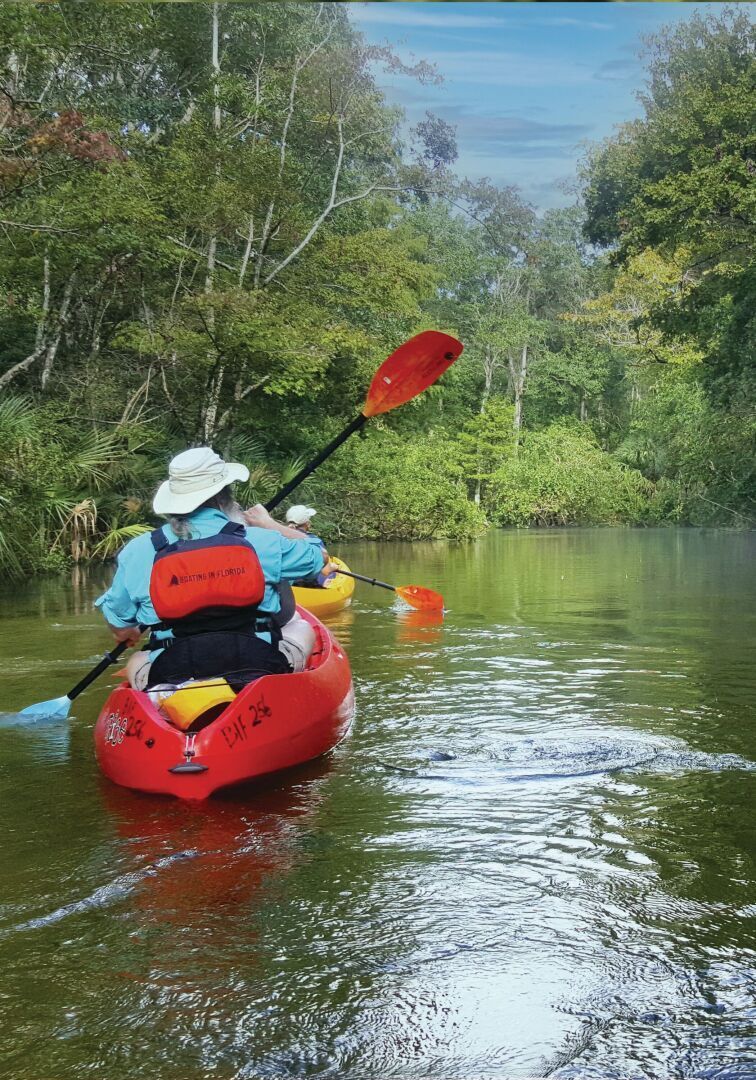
<point x="108" y="659"/>
<point x="369" y="580"/>
<point x="311" y="466"/>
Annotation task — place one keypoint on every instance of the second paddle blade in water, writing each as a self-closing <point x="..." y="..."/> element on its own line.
<point x="422" y="599"/>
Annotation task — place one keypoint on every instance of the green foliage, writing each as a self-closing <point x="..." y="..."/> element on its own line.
<point x="703" y="461"/>
<point x="562" y="477"/>
<point x="382" y="487"/>
<point x="484" y="443"/>
<point x="225" y="255"/>
<point x="683" y="178"/>
<point x="115" y="538"/>
<point x="570" y="381"/>
<point x="67" y="493"/>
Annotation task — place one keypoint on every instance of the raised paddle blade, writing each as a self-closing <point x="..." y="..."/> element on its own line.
<point x="411" y="369"/>
<point x="422" y="599"/>
<point x="55" y="709"/>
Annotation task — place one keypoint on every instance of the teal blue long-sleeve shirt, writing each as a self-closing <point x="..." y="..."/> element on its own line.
<point x="311" y="538"/>
<point x="127" y="601"/>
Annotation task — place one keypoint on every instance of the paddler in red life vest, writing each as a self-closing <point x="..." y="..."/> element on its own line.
<point x="213" y="583"/>
<point x="300" y="517"/>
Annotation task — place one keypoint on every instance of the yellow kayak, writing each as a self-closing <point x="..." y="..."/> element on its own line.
<point x="333" y="597"/>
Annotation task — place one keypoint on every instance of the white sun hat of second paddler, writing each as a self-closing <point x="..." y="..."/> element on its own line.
<point x="194" y="476"/>
<point x="299" y="514"/>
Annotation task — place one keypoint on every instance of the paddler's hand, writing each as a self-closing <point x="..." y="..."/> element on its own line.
<point x="330" y="568"/>
<point x="259" y="518"/>
<point x="129" y="634"/>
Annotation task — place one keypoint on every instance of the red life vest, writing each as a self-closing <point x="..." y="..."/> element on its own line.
<point x="197" y="585"/>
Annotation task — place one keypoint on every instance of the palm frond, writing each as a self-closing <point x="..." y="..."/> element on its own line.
<point x="9" y="555"/>
<point x="248" y="449"/>
<point x="57" y="505"/>
<point x="291" y="468"/>
<point x="115" y="538"/>
<point x="92" y="463"/>
<point x="78" y="528"/>
<point x="260" y="486"/>
<point x="16" y="419"/>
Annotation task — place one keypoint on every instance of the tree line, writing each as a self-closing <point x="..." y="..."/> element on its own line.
<point x="214" y="228"/>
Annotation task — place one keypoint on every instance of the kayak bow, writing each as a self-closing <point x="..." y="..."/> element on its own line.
<point x="335" y="595"/>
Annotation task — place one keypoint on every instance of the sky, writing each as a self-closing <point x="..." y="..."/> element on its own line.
<point x="526" y="85"/>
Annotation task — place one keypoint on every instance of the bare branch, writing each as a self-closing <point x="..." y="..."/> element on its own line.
<point x="36" y="228"/>
<point x="239" y="396"/>
<point x="171" y="401"/>
<point x="247" y="249"/>
<point x="203" y="255"/>
<point x="300" y="64"/>
<point x="22" y="365"/>
<point x="322" y="216"/>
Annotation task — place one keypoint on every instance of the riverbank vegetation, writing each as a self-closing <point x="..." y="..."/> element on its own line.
<point x="214" y="228"/>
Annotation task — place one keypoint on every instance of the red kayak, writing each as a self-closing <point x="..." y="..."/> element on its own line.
<point x="274" y="723"/>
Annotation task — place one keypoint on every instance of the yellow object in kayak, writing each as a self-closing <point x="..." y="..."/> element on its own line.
<point x="335" y="595"/>
<point x="195" y="699"/>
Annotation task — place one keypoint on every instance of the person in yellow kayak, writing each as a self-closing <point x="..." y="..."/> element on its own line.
<point x="300" y="517"/>
<point x="212" y="584"/>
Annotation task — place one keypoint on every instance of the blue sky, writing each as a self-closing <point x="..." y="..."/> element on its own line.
<point x="525" y="84"/>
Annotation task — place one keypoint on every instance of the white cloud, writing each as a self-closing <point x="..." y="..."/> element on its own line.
<point x="617" y="70"/>
<point x="403" y="14"/>
<point x="565" y="20"/>
<point x="516" y="135"/>
<point x="412" y="14"/>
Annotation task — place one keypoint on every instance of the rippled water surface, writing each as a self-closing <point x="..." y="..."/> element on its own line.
<point x="533" y="856"/>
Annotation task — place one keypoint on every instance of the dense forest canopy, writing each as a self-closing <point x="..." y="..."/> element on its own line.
<point x="214" y="228"/>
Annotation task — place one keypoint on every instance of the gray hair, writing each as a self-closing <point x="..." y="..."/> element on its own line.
<point x="223" y="501"/>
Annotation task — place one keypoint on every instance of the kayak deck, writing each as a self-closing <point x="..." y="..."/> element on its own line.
<point x="335" y="595"/>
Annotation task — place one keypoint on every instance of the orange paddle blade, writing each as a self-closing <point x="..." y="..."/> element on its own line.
<point x="422" y="599"/>
<point x="411" y="369"/>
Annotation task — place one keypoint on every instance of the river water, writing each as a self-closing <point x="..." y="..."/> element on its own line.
<point x="532" y="857"/>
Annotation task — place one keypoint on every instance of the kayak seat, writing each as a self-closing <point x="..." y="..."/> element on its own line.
<point x="196" y="703"/>
<point x="239" y="658"/>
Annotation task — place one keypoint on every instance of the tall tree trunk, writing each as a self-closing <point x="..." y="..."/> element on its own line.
<point x="52" y="348"/>
<point x="489" y="369"/>
<point x="518" y="373"/>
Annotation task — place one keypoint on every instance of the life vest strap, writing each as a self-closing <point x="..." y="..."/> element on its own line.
<point x="209" y="622"/>
<point x="161" y="541"/>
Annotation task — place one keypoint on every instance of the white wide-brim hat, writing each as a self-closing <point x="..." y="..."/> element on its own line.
<point x="299" y="514"/>
<point x="193" y="477"/>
